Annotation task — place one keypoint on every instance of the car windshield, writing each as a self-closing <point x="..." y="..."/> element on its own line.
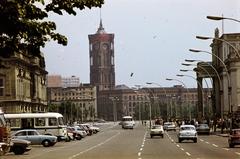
<point x="187" y="128"/>
<point x="156" y="127"/>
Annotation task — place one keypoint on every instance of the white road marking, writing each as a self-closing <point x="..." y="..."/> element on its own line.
<point x="215" y="145"/>
<point x="182" y="149"/>
<point x="139" y="153"/>
<point x="91" y="148"/>
<point x="201" y="140"/>
<point x="178" y="146"/>
<point x="142" y="145"/>
<point x="237" y="153"/>
<point x="188" y="153"/>
<point x="141" y="149"/>
<point x="207" y="142"/>
<point x="225" y="149"/>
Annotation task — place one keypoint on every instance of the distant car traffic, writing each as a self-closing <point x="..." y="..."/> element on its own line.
<point x="20" y="146"/>
<point x="157" y="130"/>
<point x="187" y="132"/>
<point x="35" y="138"/>
<point x="234" y="138"/>
<point x="168" y="126"/>
<point x="203" y="129"/>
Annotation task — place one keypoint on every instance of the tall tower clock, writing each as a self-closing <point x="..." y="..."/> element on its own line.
<point x="101" y="52"/>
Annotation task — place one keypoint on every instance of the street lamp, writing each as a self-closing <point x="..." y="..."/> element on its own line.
<point x="171" y="79"/>
<point x="222" y="18"/>
<point x="181" y="75"/>
<point x="187" y="60"/>
<point x="114" y="100"/>
<point x="226" y="70"/>
<point x="165" y="92"/>
<point x="237" y="54"/>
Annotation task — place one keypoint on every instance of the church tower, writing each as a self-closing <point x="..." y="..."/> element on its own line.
<point x="101" y="52"/>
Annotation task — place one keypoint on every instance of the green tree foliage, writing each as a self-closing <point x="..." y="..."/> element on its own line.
<point x="24" y="25"/>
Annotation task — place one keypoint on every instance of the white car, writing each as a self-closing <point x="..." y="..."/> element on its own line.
<point x="187" y="132"/>
<point x="169" y="126"/>
<point x="157" y="130"/>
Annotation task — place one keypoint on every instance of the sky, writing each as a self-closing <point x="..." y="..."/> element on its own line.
<point x="152" y="38"/>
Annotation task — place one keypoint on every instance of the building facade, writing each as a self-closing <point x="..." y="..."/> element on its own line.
<point x="77" y="104"/>
<point x="23" y="84"/>
<point x="166" y="102"/>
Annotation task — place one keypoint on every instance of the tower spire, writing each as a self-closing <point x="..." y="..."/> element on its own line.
<point x="100" y="29"/>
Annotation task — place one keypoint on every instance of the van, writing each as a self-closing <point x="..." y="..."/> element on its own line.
<point x="127" y="122"/>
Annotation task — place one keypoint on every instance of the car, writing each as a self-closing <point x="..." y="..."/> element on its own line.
<point x="168" y="126"/>
<point x="79" y="132"/>
<point x="35" y="138"/>
<point x="234" y="138"/>
<point x="157" y="130"/>
<point x="203" y="129"/>
<point x="187" y="132"/>
<point x="20" y="146"/>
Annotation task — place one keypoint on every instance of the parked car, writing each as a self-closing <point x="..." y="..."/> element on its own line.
<point x="157" y="130"/>
<point x="187" y="132"/>
<point x="169" y="126"/>
<point x="78" y="132"/>
<point x="20" y="146"/>
<point x="71" y="134"/>
<point x="35" y="138"/>
<point x="234" y="138"/>
<point x="203" y="129"/>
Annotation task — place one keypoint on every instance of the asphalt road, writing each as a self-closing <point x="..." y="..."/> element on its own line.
<point x="113" y="142"/>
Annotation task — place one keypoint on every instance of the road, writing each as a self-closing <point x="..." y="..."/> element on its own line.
<point x="115" y="143"/>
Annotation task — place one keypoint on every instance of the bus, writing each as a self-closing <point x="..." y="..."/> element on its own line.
<point x="127" y="122"/>
<point x="45" y="123"/>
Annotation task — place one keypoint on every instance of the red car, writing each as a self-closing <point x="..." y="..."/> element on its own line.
<point x="234" y="138"/>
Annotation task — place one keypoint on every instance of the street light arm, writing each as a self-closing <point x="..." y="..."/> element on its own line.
<point x="222" y="18"/>
<point x="234" y="48"/>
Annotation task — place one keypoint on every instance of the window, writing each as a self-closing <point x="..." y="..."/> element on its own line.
<point x="39" y="121"/>
<point x="31" y="133"/>
<point x="15" y="122"/>
<point x="52" y="121"/>
<point x="1" y="86"/>
<point x="23" y="133"/>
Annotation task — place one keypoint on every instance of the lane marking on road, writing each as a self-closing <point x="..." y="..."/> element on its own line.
<point x="182" y="149"/>
<point x="91" y="148"/>
<point x="139" y="153"/>
<point x="207" y="142"/>
<point x="237" y="153"/>
<point x="177" y="145"/>
<point x="141" y="149"/>
<point x="201" y="140"/>
<point x="142" y="145"/>
<point x="215" y="145"/>
<point x="226" y="149"/>
<point x="188" y="153"/>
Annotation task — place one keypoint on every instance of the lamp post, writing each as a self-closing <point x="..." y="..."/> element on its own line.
<point x="181" y="75"/>
<point x="171" y="79"/>
<point x="222" y="18"/>
<point x="206" y="85"/>
<point x="228" y="79"/>
<point x="237" y="54"/>
<point x="114" y="100"/>
<point x="165" y="92"/>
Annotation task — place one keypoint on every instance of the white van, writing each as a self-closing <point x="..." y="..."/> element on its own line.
<point x="127" y="122"/>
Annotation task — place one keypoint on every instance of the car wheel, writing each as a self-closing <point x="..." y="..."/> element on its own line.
<point x="17" y="150"/>
<point x="162" y="135"/>
<point x="46" y="143"/>
<point x="151" y="136"/>
<point x="179" y="140"/>
<point x="195" y="140"/>
<point x="231" y="145"/>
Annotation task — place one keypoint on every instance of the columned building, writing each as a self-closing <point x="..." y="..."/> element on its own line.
<point x="23" y="83"/>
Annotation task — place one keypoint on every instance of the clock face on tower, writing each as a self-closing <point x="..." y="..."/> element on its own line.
<point x="96" y="46"/>
<point x="105" y="46"/>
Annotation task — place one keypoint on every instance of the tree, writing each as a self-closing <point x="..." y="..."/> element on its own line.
<point x="24" y="26"/>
